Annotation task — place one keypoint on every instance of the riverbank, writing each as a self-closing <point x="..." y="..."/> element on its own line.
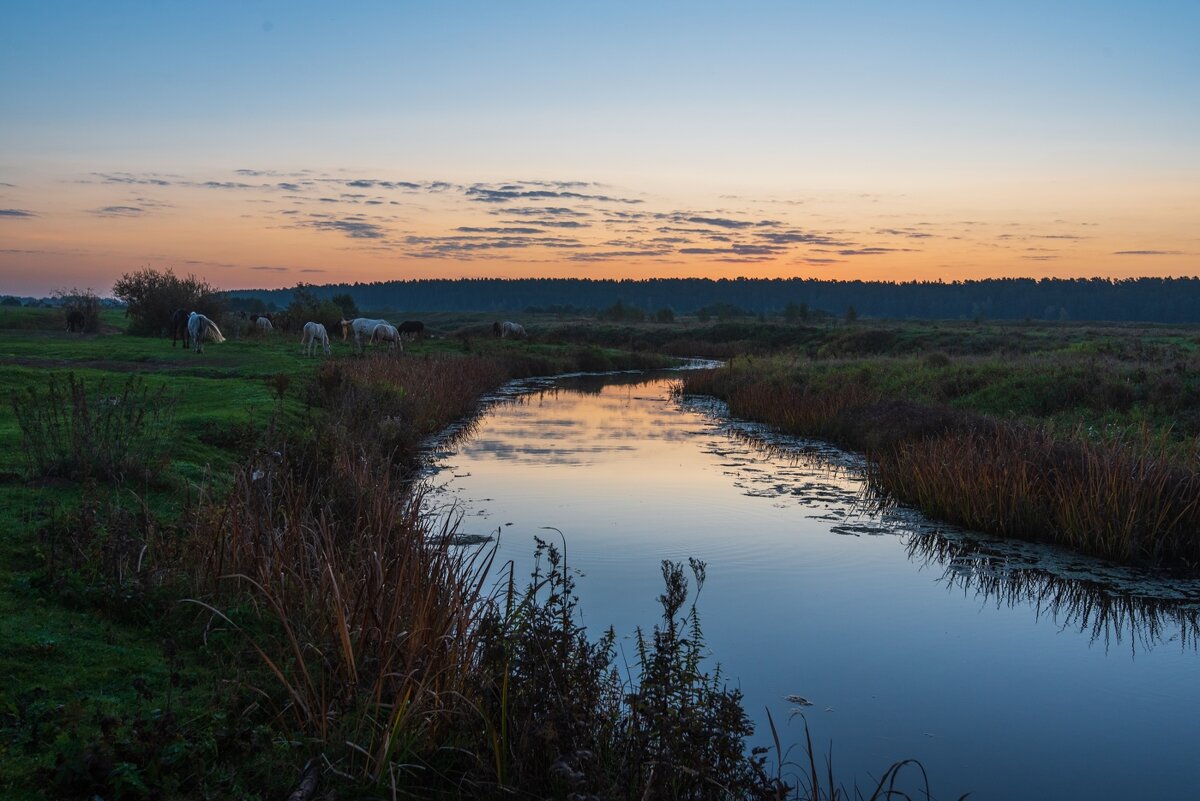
<point x="217" y="582"/>
<point x="1088" y="441"/>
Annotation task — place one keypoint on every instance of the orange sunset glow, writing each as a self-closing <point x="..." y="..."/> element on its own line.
<point x="791" y="142"/>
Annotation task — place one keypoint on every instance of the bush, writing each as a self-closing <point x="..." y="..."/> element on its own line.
<point x="152" y="296"/>
<point x="85" y="304"/>
<point x="72" y="433"/>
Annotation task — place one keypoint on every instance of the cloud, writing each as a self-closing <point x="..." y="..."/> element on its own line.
<point x="464" y="246"/>
<point x="312" y="270"/>
<point x="119" y="211"/>
<point x="469" y="230"/>
<point x="552" y="223"/>
<point x="795" y="237"/>
<point x="369" y="183"/>
<point x="740" y="250"/>
<point x="721" y="222"/>
<point x="352" y="227"/>
<point x="911" y="234"/>
<point x="149" y="179"/>
<point x="1148" y="253"/>
<point x="271" y="269"/>
<point x="227" y="185"/>
<point x="510" y="192"/>
<point x="603" y="255"/>
<point x="872" y="251"/>
<point x="16" y="213"/>
<point x="546" y="211"/>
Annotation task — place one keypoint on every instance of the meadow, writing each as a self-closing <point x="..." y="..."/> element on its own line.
<point x="217" y="583"/>
<point x="1085" y="436"/>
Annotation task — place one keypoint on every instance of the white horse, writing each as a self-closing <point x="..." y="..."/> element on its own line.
<point x="362" y="328"/>
<point x="508" y="329"/>
<point x="314" y="333"/>
<point x="264" y="325"/>
<point x="200" y="327"/>
<point x="385" y="332"/>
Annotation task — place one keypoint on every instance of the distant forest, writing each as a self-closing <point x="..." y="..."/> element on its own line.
<point x="1164" y="300"/>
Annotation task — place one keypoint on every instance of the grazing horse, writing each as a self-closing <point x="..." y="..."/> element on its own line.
<point x="414" y="327"/>
<point x="508" y="329"/>
<point x="314" y="333"/>
<point x="264" y="325"/>
<point x="200" y="327"/>
<point x="384" y="332"/>
<point x="75" y="321"/>
<point x="362" y="328"/>
<point x="179" y="327"/>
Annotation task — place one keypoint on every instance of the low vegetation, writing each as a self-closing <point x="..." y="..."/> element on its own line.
<point x="1085" y="437"/>
<point x="218" y="583"/>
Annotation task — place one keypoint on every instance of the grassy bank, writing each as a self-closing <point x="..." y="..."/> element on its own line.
<point x="1088" y="440"/>
<point x="216" y="583"/>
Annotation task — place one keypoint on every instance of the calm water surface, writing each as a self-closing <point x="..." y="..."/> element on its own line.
<point x="1008" y="670"/>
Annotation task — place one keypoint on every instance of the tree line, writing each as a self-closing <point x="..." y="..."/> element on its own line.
<point x="1166" y="300"/>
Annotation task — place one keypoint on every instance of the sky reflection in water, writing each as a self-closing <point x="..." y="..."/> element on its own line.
<point x="1008" y="669"/>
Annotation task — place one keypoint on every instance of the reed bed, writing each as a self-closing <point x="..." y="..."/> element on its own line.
<point x="1130" y="493"/>
<point x="366" y="616"/>
<point x="1123" y="501"/>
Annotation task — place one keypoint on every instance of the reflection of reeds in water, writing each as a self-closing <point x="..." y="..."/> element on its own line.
<point x="1133" y="498"/>
<point x="1104" y="613"/>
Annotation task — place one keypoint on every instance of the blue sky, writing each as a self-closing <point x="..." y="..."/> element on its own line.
<point x="1015" y="112"/>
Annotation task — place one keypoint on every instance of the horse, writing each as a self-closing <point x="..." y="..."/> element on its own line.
<point x="385" y="332"/>
<point x="179" y="327"/>
<point x="264" y="325"/>
<point x="75" y="321"/>
<point x="508" y="329"/>
<point x="414" y="327"/>
<point x="200" y="327"/>
<point x="361" y="328"/>
<point x="314" y="333"/>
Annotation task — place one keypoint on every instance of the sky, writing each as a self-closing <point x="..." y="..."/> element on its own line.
<point x="261" y="144"/>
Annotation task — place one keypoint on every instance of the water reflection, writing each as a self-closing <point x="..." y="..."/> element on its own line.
<point x="1089" y="606"/>
<point x="913" y="639"/>
<point x="1111" y="604"/>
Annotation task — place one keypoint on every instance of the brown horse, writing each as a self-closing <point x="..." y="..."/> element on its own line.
<point x="179" y="327"/>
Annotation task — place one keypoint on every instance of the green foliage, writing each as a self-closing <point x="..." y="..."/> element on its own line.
<point x="152" y="296"/>
<point x="664" y="315"/>
<point x="82" y="302"/>
<point x="345" y="302"/>
<point x="307" y="307"/>
<point x="686" y="732"/>
<point x="73" y="432"/>
<point x="619" y="312"/>
<point x="561" y="723"/>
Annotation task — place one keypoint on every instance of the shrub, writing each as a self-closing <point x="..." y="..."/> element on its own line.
<point x="152" y="296"/>
<point x="71" y="432"/>
<point x="84" y="303"/>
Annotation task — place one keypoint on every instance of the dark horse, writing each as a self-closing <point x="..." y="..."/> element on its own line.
<point x="75" y="321"/>
<point x="414" y="327"/>
<point x="179" y="326"/>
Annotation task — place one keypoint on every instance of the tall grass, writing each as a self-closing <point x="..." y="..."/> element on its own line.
<point x="1121" y="500"/>
<point x="367" y="614"/>
<point x="74" y="431"/>
<point x="1131" y="495"/>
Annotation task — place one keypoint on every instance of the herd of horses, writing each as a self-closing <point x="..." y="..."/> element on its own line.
<point x="193" y="328"/>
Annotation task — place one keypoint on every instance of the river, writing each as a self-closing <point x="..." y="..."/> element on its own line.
<point x="1009" y="670"/>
